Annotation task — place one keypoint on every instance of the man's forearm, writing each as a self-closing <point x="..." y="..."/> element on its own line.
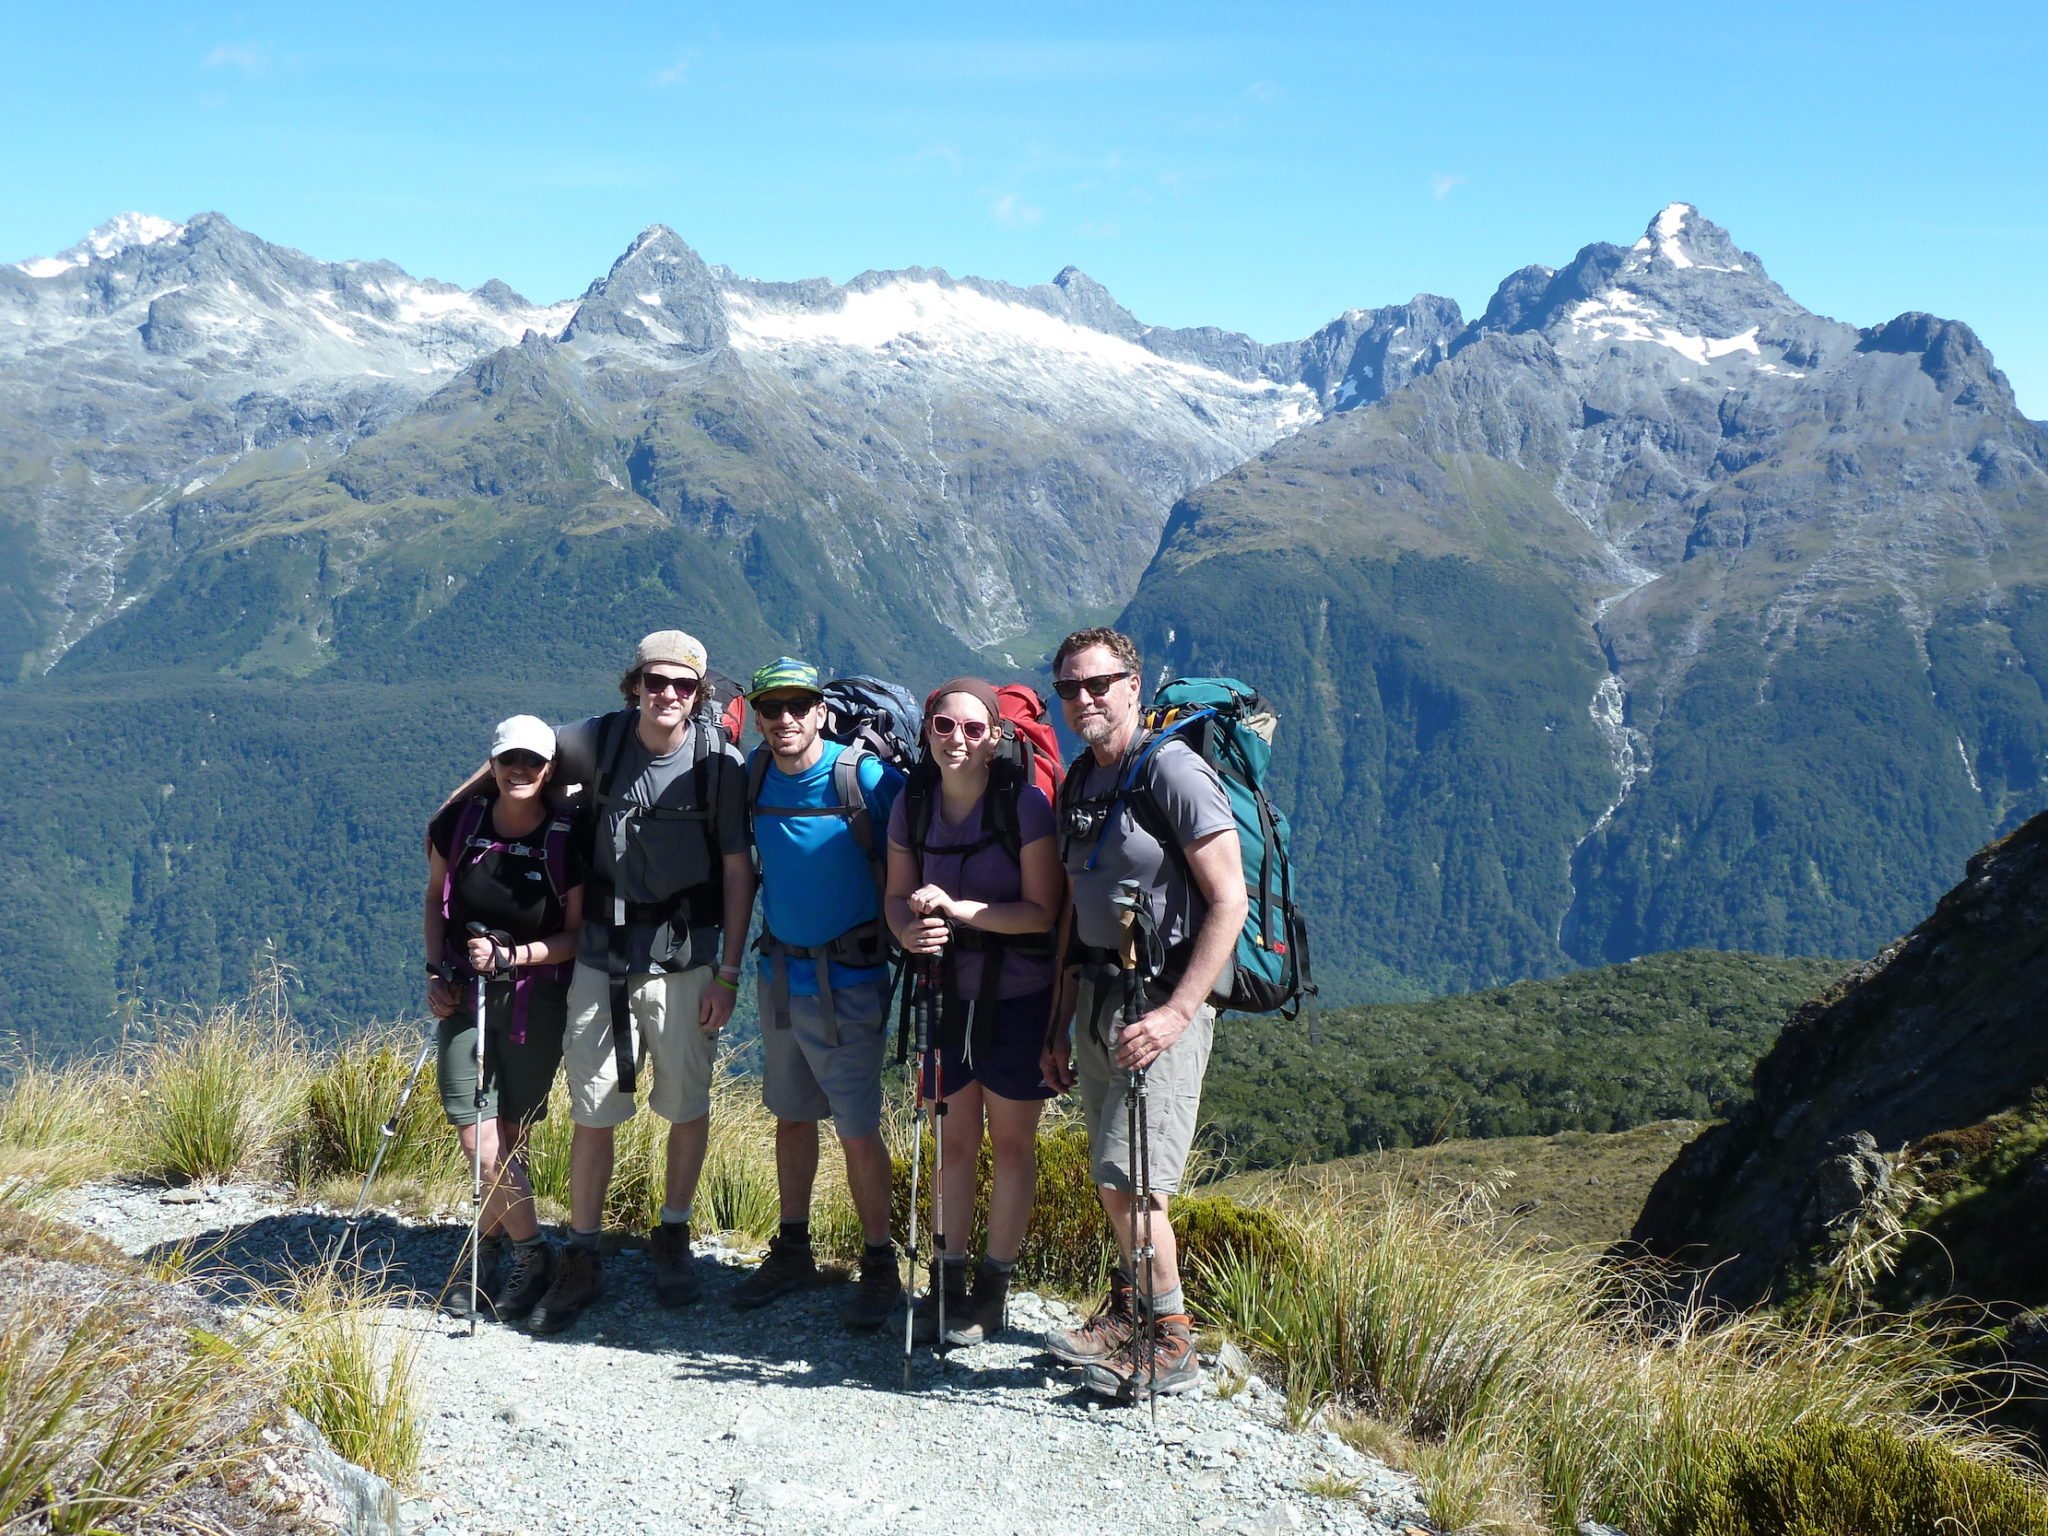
<point x="739" y="910"/>
<point x="1215" y="945"/>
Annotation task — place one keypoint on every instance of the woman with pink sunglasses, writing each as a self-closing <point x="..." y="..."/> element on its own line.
<point x="975" y="885"/>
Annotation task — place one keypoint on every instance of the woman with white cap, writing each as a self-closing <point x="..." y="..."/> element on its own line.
<point x="503" y="858"/>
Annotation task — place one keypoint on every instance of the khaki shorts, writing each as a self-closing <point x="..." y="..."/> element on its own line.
<point x="664" y="1010"/>
<point x="1173" y="1097"/>
<point x="803" y="1078"/>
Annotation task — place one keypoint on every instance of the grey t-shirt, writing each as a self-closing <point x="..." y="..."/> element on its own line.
<point x="644" y="858"/>
<point x="1191" y="801"/>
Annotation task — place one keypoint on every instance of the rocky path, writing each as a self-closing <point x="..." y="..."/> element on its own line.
<point x="779" y="1420"/>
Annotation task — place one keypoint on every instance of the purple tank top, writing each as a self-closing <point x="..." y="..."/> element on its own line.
<point x="987" y="874"/>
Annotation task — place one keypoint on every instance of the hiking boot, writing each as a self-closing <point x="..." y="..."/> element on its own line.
<point x="1173" y="1368"/>
<point x="490" y="1259"/>
<point x="1108" y="1330"/>
<point x="878" y="1295"/>
<point x="533" y="1271"/>
<point x="578" y="1281"/>
<point x="952" y="1280"/>
<point x="675" y="1271"/>
<point x="986" y="1311"/>
<point x="788" y="1267"/>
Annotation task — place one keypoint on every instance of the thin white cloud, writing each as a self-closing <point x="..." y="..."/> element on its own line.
<point x="943" y="157"/>
<point x="679" y="71"/>
<point x="1012" y="212"/>
<point x="249" y="58"/>
<point x="1443" y="186"/>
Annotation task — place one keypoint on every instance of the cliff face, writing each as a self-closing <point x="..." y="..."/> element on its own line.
<point x="1936" y="1049"/>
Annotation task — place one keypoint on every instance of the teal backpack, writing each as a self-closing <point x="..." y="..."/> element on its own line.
<point x="1229" y="725"/>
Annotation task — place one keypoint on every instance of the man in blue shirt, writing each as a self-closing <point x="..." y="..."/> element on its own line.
<point x="819" y="812"/>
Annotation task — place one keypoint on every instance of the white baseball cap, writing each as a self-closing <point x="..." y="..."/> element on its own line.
<point x="524" y="733"/>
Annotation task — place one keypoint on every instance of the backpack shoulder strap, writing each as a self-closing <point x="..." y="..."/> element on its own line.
<point x="555" y="854"/>
<point x="757" y="775"/>
<point x="474" y="809"/>
<point x="846" y="782"/>
<point x="1000" y="818"/>
<point x="616" y="725"/>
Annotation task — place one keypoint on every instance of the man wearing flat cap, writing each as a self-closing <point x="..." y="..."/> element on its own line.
<point x="671" y="887"/>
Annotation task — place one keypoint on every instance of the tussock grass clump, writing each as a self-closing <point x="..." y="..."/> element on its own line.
<point x="58" y="1125"/>
<point x="1542" y="1391"/>
<point x="353" y="1092"/>
<point x="351" y="1378"/>
<point x="100" y="1423"/>
<point x="219" y="1093"/>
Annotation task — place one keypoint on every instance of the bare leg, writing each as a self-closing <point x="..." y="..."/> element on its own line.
<point x="868" y="1176"/>
<point x="1013" y="1139"/>
<point x="687" y="1141"/>
<point x="508" y="1203"/>
<point x="962" y="1122"/>
<point x="796" y="1166"/>
<point x="590" y="1175"/>
<point x="1116" y="1204"/>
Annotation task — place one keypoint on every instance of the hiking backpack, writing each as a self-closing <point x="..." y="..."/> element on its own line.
<point x="869" y="712"/>
<point x="1027" y="739"/>
<point x="723" y="702"/>
<point x="1231" y="728"/>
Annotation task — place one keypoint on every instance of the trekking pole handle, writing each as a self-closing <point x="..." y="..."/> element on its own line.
<point x="1126" y="901"/>
<point x="500" y="942"/>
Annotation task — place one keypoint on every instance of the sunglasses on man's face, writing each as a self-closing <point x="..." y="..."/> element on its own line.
<point x="533" y="762"/>
<point x="1070" y="687"/>
<point x="775" y="709"/>
<point x="655" y="683"/>
<point x="970" y="731"/>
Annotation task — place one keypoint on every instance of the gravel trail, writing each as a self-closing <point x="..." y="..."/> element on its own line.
<point x="639" y="1419"/>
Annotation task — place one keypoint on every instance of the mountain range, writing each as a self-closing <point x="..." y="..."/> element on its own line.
<point x="1647" y="609"/>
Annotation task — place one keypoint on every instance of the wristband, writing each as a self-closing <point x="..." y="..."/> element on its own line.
<point x="730" y="986"/>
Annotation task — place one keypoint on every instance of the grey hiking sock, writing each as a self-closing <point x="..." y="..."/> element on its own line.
<point x="524" y="1244"/>
<point x="587" y="1241"/>
<point x="671" y="1217"/>
<point x="1171" y="1301"/>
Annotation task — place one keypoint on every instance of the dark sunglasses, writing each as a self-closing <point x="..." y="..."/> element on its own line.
<point x="652" y="683"/>
<point x="531" y="760"/>
<point x="1070" y="687"/>
<point x="970" y="731"/>
<point x="775" y="709"/>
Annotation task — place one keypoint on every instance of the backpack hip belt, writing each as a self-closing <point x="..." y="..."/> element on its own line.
<point x="863" y="946"/>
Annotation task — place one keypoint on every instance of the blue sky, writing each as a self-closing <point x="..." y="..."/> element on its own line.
<point x="1226" y="165"/>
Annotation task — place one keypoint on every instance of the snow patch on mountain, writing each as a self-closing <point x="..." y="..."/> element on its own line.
<point x="1619" y="315"/>
<point x="1665" y="240"/>
<point x="118" y="234"/>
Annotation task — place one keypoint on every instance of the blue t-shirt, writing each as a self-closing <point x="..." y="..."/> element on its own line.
<point x="815" y="881"/>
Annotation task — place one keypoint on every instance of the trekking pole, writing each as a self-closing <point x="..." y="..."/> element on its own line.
<point x="929" y="1026"/>
<point x="1129" y="902"/>
<point x="924" y="1043"/>
<point x="476" y="1140"/>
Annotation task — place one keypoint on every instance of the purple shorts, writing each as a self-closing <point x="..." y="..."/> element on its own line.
<point x="1010" y="1071"/>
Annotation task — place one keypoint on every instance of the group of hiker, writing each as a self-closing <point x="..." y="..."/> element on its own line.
<point x="1057" y="931"/>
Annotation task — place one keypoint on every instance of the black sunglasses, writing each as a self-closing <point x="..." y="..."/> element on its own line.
<point x="652" y="683"/>
<point x="521" y="760"/>
<point x="775" y="709"/>
<point x="1097" y="686"/>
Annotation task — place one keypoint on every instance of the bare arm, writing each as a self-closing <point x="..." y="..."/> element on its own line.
<point x="441" y="999"/>
<point x="1214" y="864"/>
<point x="736" y="872"/>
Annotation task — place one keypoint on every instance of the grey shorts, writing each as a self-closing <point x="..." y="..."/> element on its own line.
<point x="678" y="1055"/>
<point x="803" y="1078"/>
<point x="1173" y="1098"/>
<point x="516" y="1077"/>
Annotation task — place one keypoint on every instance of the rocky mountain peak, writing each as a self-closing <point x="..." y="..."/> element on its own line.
<point x="120" y="233"/>
<point x="1089" y="303"/>
<point x="659" y="294"/>
<point x="1682" y="238"/>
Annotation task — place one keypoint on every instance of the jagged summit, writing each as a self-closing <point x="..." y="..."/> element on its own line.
<point x="1682" y="238"/>
<point x="120" y="233"/>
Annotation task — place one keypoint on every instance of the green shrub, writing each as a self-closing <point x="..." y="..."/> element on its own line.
<point x="1827" y="1479"/>
<point x="1210" y="1226"/>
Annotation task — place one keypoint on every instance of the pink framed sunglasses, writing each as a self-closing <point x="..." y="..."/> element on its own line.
<point x="971" y="731"/>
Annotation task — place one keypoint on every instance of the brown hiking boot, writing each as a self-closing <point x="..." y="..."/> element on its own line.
<point x="952" y="1280"/>
<point x="787" y="1267"/>
<point x="579" y="1280"/>
<point x="1169" y="1368"/>
<point x="986" y="1311"/>
<point x="877" y="1296"/>
<point x="675" y="1271"/>
<point x="1106" y="1331"/>
<point x="483" y="1303"/>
